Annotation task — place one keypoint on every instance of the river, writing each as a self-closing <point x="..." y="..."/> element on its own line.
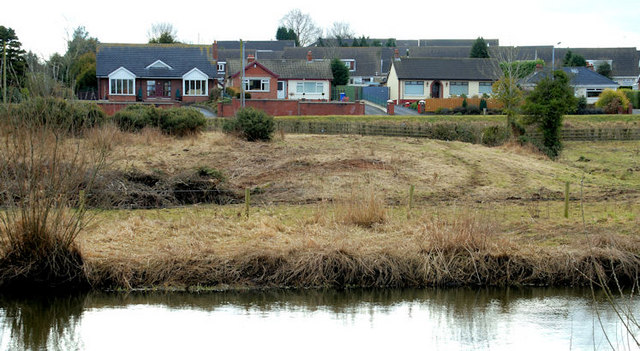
<point x="384" y="319"/>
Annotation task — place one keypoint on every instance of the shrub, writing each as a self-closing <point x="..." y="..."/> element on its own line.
<point x="464" y="102"/>
<point x="70" y="116"/>
<point x="173" y="121"/>
<point x="215" y="94"/>
<point x="459" y="110"/>
<point x="473" y="110"/>
<point x="413" y="105"/>
<point x="442" y="111"/>
<point x="633" y="96"/>
<point x="612" y="100"/>
<point x="581" y="105"/>
<point x="483" y="104"/>
<point x="230" y="91"/>
<point x="251" y="124"/>
<point x="495" y="135"/>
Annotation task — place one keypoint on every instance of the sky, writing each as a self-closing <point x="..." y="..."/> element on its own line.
<point x="43" y="27"/>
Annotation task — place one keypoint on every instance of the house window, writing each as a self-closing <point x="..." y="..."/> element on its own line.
<point x="309" y="88"/>
<point x="256" y="84"/>
<point x="195" y="87"/>
<point x="459" y="88"/>
<point x="351" y="64"/>
<point x="221" y="66"/>
<point x="122" y="86"/>
<point x="485" y="88"/>
<point x="592" y="93"/>
<point x="414" y="88"/>
<point x="151" y="88"/>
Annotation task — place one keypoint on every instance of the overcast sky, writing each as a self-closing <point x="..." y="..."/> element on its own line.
<point x="44" y="26"/>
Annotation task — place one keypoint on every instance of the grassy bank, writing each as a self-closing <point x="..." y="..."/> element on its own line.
<point x="318" y="246"/>
<point x="331" y="211"/>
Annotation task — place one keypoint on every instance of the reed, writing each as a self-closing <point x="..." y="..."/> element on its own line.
<point x="43" y="173"/>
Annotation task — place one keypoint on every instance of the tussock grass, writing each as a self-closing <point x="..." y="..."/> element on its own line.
<point x="310" y="247"/>
<point x="43" y="173"/>
<point x="364" y="208"/>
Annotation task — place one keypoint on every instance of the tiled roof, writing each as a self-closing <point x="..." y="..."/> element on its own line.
<point x="456" y="42"/>
<point x="367" y="58"/>
<point x="579" y="76"/>
<point x="447" y="69"/>
<point x="273" y="45"/>
<point x="290" y="69"/>
<point x="181" y="58"/>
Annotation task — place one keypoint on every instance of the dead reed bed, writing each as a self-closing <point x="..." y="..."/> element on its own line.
<point x="43" y="176"/>
<point x="317" y="249"/>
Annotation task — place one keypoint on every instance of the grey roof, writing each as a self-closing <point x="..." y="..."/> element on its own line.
<point x="456" y="42"/>
<point x="274" y="45"/>
<point x="447" y="68"/>
<point x="579" y="76"/>
<point x="232" y="54"/>
<point x="290" y="69"/>
<point x="367" y="58"/>
<point x="181" y="58"/>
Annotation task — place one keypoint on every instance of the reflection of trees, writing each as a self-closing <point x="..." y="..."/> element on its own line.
<point x="42" y="322"/>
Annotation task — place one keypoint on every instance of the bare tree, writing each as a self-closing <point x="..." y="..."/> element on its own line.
<point x="340" y="30"/>
<point x="301" y="24"/>
<point x="162" y="33"/>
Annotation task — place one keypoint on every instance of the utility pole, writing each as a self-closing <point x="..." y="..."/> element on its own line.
<point x="242" y="83"/>
<point x="4" y="72"/>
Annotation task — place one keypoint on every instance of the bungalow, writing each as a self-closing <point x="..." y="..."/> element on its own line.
<point x="585" y="82"/>
<point x="157" y="73"/>
<point x="413" y="79"/>
<point x="282" y="78"/>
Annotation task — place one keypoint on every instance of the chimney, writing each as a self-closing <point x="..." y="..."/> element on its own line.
<point x="214" y="50"/>
<point x="309" y="56"/>
<point x="250" y="58"/>
<point x="590" y="66"/>
<point x="396" y="55"/>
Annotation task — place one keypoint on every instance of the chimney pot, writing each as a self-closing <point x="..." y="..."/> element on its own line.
<point x="251" y="58"/>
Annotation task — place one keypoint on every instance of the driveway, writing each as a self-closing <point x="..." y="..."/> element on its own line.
<point x="404" y="111"/>
<point x="205" y="112"/>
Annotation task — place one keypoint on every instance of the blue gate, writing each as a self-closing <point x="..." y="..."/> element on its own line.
<point x="377" y="95"/>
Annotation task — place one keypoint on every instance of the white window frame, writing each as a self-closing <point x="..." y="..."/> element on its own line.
<point x="461" y="84"/>
<point x="122" y="82"/>
<point x="220" y="66"/>
<point x="485" y="84"/>
<point x="348" y="63"/>
<point x="301" y="88"/>
<point x="265" y="84"/>
<point x="414" y="82"/>
<point x="195" y="80"/>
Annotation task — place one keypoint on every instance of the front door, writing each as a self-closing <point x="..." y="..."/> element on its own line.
<point x="282" y="89"/>
<point x="159" y="88"/>
<point x="436" y="90"/>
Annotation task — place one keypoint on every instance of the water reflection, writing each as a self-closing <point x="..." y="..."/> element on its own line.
<point x="319" y="319"/>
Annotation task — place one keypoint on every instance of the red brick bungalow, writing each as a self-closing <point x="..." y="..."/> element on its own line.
<point x="283" y="79"/>
<point x="155" y="73"/>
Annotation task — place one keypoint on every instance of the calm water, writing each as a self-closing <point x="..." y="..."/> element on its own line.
<point x="452" y="319"/>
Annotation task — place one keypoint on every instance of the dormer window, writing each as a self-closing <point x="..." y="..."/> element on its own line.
<point x="221" y="66"/>
<point x="350" y="63"/>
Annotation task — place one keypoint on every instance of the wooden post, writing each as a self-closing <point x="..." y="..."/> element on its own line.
<point x="4" y="72"/>
<point x="566" y="200"/>
<point x="411" y="189"/>
<point x="247" y="199"/>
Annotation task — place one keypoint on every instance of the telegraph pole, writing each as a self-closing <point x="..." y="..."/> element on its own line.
<point x="242" y="83"/>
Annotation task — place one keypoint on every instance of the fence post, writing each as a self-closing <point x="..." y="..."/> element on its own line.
<point x="247" y="199"/>
<point x="566" y="200"/>
<point x="411" y="189"/>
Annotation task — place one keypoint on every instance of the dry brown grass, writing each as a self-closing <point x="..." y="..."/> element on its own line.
<point x="364" y="208"/>
<point x="311" y="247"/>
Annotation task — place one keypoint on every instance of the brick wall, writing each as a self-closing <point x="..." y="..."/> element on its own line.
<point x="294" y="107"/>
<point x="257" y="71"/>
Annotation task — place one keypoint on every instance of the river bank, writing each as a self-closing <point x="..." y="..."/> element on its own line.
<point x="318" y="246"/>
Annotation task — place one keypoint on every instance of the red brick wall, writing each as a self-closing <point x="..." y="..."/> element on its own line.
<point x="141" y="85"/>
<point x="294" y="108"/>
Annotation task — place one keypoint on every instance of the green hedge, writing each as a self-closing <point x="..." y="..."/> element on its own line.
<point x="71" y="115"/>
<point x="173" y="121"/>
<point x="634" y="97"/>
